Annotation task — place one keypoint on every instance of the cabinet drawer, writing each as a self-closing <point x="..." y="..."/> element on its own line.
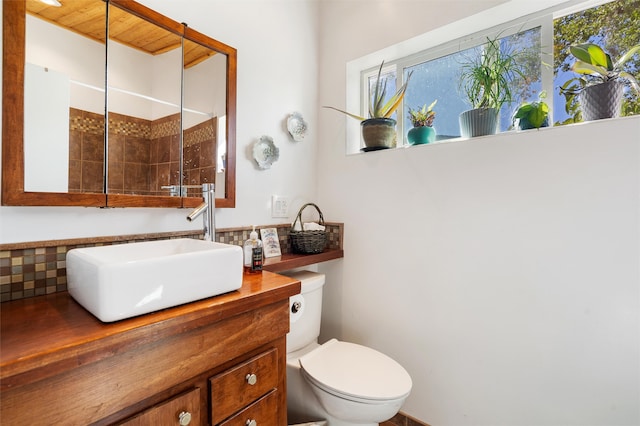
<point x="264" y="412"/>
<point x="174" y="412"/>
<point x="243" y="384"/>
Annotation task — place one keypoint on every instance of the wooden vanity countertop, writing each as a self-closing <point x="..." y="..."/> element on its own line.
<point x="46" y="335"/>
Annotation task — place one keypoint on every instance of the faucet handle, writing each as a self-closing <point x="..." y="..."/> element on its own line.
<point x="174" y="190"/>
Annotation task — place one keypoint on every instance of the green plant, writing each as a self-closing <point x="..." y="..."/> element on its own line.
<point x="424" y="116"/>
<point x="532" y="114"/>
<point x="378" y="108"/>
<point x="488" y="78"/>
<point x="594" y="66"/>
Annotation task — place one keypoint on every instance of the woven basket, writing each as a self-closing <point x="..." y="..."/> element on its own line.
<point x="308" y="242"/>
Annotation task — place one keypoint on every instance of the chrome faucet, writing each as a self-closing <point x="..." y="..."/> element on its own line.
<point x="207" y="209"/>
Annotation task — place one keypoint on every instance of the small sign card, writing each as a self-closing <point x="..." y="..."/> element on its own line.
<point x="270" y="242"/>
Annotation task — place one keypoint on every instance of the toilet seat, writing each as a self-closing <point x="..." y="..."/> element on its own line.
<point x="357" y="373"/>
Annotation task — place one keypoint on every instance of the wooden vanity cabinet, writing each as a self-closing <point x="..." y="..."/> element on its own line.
<point x="181" y="410"/>
<point x="261" y="412"/>
<point x="246" y="393"/>
<point x="238" y="388"/>
<point x="221" y="361"/>
<point x="240" y="395"/>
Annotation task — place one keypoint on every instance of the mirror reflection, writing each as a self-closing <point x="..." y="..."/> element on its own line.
<point x="144" y="72"/>
<point x="204" y="118"/>
<point x="64" y="100"/>
<point x="168" y="99"/>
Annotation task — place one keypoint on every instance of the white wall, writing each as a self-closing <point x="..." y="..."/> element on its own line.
<point x="46" y="102"/>
<point x="502" y="272"/>
<point x="277" y="75"/>
<point x="79" y="58"/>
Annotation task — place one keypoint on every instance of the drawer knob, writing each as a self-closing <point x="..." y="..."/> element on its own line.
<point x="184" y="418"/>
<point x="251" y="422"/>
<point x="252" y="379"/>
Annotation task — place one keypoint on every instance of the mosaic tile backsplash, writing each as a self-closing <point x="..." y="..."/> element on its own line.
<point x="39" y="268"/>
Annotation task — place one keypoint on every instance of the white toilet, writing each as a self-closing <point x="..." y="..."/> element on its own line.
<point x="343" y="383"/>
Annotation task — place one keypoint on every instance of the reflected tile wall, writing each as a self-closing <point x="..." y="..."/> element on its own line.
<point x="143" y="154"/>
<point x="164" y="154"/>
<point x="200" y="154"/>
<point x="86" y="151"/>
<point x="129" y="166"/>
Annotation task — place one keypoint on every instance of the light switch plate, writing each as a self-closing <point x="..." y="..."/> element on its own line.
<point x="279" y="206"/>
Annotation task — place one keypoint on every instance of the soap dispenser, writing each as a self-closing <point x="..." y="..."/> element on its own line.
<point x="253" y="253"/>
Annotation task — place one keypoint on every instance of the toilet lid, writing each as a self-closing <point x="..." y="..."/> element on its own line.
<point x="356" y="371"/>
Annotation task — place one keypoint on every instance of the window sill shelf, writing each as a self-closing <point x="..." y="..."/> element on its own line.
<point x="292" y="260"/>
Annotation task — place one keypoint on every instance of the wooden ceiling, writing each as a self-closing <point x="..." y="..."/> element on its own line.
<point x="87" y="17"/>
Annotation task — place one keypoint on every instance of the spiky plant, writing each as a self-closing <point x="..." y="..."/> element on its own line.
<point x="378" y="108"/>
<point x="424" y="116"/>
<point x="487" y="79"/>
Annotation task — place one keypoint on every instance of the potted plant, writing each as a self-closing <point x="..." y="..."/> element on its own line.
<point x="532" y="115"/>
<point x="600" y="86"/>
<point x="422" y="121"/>
<point x="487" y="80"/>
<point x="379" y="130"/>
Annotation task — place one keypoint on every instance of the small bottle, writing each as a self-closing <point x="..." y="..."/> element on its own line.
<point x="253" y="253"/>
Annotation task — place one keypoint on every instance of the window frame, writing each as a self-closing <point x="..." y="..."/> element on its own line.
<point x="504" y="20"/>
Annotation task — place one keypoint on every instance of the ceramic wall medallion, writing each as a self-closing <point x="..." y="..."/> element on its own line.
<point x="296" y="126"/>
<point x="265" y="152"/>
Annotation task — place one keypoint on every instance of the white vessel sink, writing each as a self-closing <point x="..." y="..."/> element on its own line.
<point x="122" y="281"/>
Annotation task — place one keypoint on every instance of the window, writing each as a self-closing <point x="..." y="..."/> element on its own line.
<point x="616" y="27"/>
<point x="439" y="79"/>
<point x="388" y="80"/>
<point x="541" y="43"/>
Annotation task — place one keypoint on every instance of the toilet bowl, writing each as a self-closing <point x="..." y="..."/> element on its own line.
<point x="341" y="382"/>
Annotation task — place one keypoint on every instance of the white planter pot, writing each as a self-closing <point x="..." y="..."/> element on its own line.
<point x="478" y="122"/>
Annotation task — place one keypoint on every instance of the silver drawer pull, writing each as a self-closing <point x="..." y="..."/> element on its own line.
<point x="184" y="418"/>
<point x="251" y="422"/>
<point x="252" y="379"/>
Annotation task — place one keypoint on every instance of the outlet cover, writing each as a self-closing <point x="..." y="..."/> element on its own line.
<point x="279" y="206"/>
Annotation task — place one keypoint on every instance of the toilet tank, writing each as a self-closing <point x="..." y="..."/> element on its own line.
<point x="305" y="310"/>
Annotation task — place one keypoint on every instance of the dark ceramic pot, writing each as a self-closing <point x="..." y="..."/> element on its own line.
<point x="602" y="100"/>
<point x="379" y="133"/>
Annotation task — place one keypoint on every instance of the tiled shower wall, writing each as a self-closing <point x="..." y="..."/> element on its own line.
<point x="144" y="155"/>
<point x="86" y="151"/>
<point x="200" y="154"/>
<point x="129" y="155"/>
<point x="164" y="155"/>
<point x="38" y="268"/>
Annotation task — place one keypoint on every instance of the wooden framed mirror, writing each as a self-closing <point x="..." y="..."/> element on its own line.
<point x="216" y="162"/>
<point x="98" y="173"/>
